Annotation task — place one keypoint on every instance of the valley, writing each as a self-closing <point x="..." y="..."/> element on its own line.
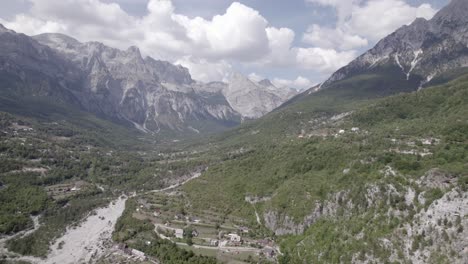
<point x="110" y="156"/>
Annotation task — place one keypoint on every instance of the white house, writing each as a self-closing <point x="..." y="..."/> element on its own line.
<point x="179" y="233"/>
<point x="234" y="237"/>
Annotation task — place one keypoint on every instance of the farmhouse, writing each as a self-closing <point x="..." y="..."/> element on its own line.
<point x="179" y="233"/>
<point x="234" y="237"/>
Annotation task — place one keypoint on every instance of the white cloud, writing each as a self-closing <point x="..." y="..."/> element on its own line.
<point x="28" y="24"/>
<point x="333" y="38"/>
<point x="324" y="60"/>
<point x="280" y="45"/>
<point x="86" y="12"/>
<point x="361" y="21"/>
<point x="240" y="33"/>
<point x="378" y="18"/>
<point x="205" y="71"/>
<point x="299" y="83"/>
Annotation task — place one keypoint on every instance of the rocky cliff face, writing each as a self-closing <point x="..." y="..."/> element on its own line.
<point x="419" y="51"/>
<point x="252" y="99"/>
<point x="432" y="228"/>
<point x="30" y="69"/>
<point x="153" y="95"/>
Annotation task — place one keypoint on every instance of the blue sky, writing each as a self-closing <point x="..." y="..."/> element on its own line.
<point x="296" y="42"/>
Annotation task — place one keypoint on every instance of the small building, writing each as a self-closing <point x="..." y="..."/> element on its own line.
<point x="355" y="129"/>
<point x="179" y="233"/>
<point x="214" y="243"/>
<point x="341" y="131"/>
<point x="234" y="237"/>
<point x="195" y="233"/>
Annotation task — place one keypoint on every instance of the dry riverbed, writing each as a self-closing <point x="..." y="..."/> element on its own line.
<point x="90" y="239"/>
<point x="86" y="242"/>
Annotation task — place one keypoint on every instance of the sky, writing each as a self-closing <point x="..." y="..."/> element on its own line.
<point x="295" y="43"/>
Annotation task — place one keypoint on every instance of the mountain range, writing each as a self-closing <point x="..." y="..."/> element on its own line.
<point x="155" y="96"/>
<point x="158" y="97"/>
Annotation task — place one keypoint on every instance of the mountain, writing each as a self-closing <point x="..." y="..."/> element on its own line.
<point x="253" y="100"/>
<point x="154" y="96"/>
<point x="28" y="68"/>
<point x="151" y="94"/>
<point x="415" y="54"/>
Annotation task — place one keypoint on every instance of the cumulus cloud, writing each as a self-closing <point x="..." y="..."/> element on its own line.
<point x="28" y="25"/>
<point x="363" y="21"/>
<point x="386" y="16"/>
<point x="333" y="38"/>
<point x="205" y="71"/>
<point x="325" y="60"/>
<point x="240" y="33"/>
<point x="280" y="46"/>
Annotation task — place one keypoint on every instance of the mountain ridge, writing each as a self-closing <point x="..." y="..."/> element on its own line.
<point x="420" y="51"/>
<point x="152" y="95"/>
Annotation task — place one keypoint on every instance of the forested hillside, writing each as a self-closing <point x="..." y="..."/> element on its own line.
<point x="341" y="182"/>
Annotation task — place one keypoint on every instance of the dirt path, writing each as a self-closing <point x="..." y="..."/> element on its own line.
<point x="194" y="176"/>
<point x="240" y="249"/>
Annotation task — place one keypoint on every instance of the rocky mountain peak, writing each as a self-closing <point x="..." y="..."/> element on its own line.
<point x="418" y="52"/>
<point x="237" y="77"/>
<point x="265" y="82"/>
<point x="151" y="94"/>
<point x="253" y="99"/>
<point x="134" y="51"/>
